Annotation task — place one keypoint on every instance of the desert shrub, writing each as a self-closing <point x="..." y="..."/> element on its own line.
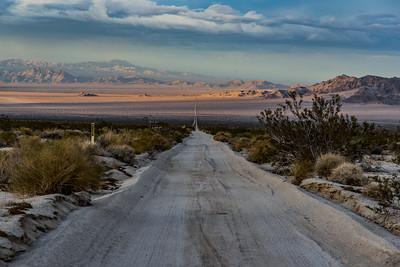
<point x="52" y="134"/>
<point x="348" y="174"/>
<point x="124" y="153"/>
<point x="7" y="138"/>
<point x="240" y="143"/>
<point x="92" y="149"/>
<point x="145" y="140"/>
<point x="384" y="189"/>
<point x="26" y="131"/>
<point x="61" y="166"/>
<point x="261" y="151"/>
<point x="109" y="137"/>
<point x="222" y="136"/>
<point x="141" y="140"/>
<point x="73" y="133"/>
<point x="397" y="157"/>
<point x="326" y="163"/>
<point x="301" y="170"/>
<point x="304" y="133"/>
<point x="4" y="168"/>
<point x="377" y="151"/>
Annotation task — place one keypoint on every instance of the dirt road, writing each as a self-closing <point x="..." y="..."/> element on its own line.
<point x="202" y="205"/>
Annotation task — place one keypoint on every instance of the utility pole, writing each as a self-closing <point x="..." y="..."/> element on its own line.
<point x="92" y="133"/>
<point x="195" y="123"/>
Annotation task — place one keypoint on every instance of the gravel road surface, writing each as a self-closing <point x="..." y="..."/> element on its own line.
<point x="202" y="205"/>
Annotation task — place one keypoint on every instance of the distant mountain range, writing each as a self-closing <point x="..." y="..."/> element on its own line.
<point x="368" y="89"/>
<point x="114" y="71"/>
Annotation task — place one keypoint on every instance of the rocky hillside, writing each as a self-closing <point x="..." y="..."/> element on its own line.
<point x="116" y="72"/>
<point x="367" y="89"/>
<point x="38" y="75"/>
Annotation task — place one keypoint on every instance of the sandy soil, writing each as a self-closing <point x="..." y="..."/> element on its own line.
<point x="202" y="205"/>
<point x="163" y="102"/>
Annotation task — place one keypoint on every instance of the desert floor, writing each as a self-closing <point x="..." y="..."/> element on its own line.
<point x="161" y="102"/>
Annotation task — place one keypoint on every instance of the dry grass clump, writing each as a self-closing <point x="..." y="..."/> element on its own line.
<point x="261" y="151"/>
<point x="348" y="174"/>
<point x="222" y="136"/>
<point x="110" y="137"/>
<point x="124" y="153"/>
<point x="146" y="140"/>
<point x="384" y="189"/>
<point x="141" y="140"/>
<point x="61" y="166"/>
<point x="240" y="143"/>
<point x="301" y="170"/>
<point x="326" y="163"/>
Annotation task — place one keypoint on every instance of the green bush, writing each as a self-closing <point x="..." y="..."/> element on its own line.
<point x="348" y="174"/>
<point x="61" y="166"/>
<point x="304" y="133"/>
<point x="301" y="170"/>
<point x="326" y="163"/>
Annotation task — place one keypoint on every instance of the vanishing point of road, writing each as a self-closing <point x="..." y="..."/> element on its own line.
<point x="200" y="204"/>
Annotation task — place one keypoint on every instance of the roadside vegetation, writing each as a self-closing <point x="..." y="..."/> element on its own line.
<point x="58" y="158"/>
<point x="316" y="141"/>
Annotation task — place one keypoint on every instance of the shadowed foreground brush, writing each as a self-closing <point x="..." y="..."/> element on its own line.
<point x="52" y="167"/>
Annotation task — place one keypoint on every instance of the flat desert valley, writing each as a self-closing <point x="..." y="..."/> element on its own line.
<point x="169" y="103"/>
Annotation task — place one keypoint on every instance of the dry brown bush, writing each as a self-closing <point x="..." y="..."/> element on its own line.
<point x="348" y="174"/>
<point x="326" y="163"/>
<point x="61" y="166"/>
<point x="301" y="170"/>
<point x="124" y="153"/>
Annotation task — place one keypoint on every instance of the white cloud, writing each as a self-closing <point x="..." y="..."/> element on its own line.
<point x="217" y="18"/>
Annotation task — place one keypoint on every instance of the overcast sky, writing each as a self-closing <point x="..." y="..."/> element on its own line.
<point x="285" y="41"/>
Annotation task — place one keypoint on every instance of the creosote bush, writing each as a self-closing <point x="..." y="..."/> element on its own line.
<point x="304" y="133"/>
<point x="61" y="166"/>
<point x="326" y="163"/>
<point x="348" y="174"/>
<point x="301" y="171"/>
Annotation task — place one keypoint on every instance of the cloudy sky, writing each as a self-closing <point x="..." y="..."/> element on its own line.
<point x="280" y="40"/>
